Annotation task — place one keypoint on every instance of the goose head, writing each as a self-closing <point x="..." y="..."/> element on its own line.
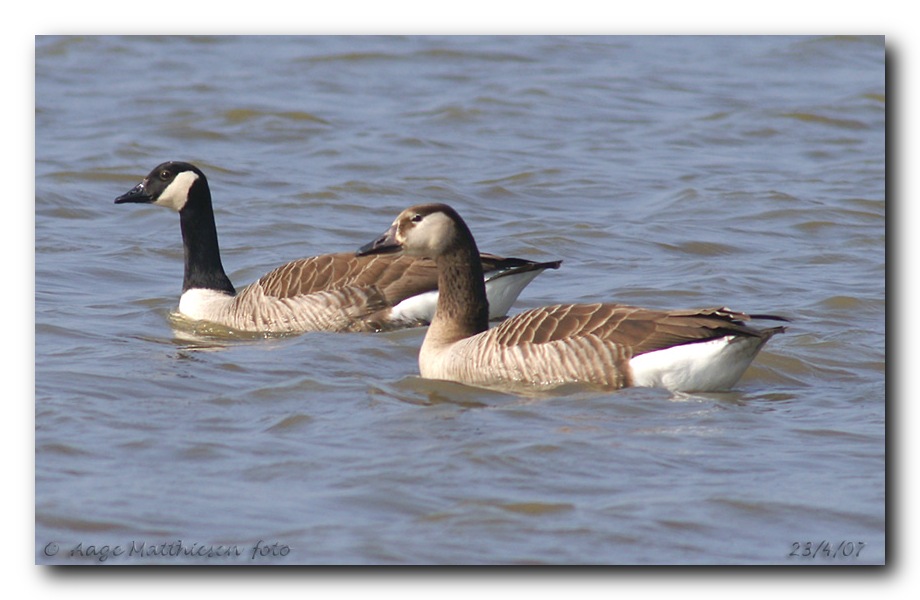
<point x="425" y="230"/>
<point x="170" y="184"/>
<point x="184" y="188"/>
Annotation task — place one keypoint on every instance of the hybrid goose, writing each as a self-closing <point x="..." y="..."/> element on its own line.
<point x="332" y="292"/>
<point x="606" y="345"/>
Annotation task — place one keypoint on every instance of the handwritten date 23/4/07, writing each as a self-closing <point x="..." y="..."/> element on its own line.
<point x="825" y="549"/>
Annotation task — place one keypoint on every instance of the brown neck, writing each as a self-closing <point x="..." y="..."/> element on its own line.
<point x="463" y="309"/>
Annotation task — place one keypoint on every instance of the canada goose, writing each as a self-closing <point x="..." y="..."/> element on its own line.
<point x="606" y="345"/>
<point x="332" y="292"/>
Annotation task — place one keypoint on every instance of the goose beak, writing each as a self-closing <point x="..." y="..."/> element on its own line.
<point x="137" y="194"/>
<point x="384" y="244"/>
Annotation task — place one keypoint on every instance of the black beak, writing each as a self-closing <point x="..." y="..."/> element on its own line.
<point x="384" y="244"/>
<point x="138" y="194"/>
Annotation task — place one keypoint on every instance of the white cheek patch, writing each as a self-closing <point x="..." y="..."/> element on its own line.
<point x="176" y="193"/>
<point x="430" y="235"/>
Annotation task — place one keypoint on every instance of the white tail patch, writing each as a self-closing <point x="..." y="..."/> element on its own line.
<point x="501" y="292"/>
<point x="712" y="366"/>
<point x="414" y="309"/>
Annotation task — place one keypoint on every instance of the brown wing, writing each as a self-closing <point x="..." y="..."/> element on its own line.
<point x="395" y="277"/>
<point x="639" y="330"/>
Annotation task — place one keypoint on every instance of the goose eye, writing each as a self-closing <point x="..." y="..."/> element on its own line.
<point x="164" y="175"/>
<point x="416" y="218"/>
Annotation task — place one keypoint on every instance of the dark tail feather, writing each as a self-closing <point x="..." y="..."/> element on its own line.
<point x="771" y="318"/>
<point x="514" y="266"/>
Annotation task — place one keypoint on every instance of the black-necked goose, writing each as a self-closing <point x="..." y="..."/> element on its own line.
<point x="332" y="292"/>
<point x="607" y="345"/>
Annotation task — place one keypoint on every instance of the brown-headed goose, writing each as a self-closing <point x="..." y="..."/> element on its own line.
<point x="332" y="292"/>
<point x="607" y="345"/>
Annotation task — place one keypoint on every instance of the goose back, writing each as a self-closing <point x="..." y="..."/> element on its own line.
<point x="598" y="344"/>
<point x="347" y="293"/>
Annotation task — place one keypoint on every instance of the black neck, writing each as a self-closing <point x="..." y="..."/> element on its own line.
<point x="462" y="300"/>
<point x="203" y="268"/>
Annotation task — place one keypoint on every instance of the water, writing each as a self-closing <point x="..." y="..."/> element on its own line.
<point x="670" y="172"/>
